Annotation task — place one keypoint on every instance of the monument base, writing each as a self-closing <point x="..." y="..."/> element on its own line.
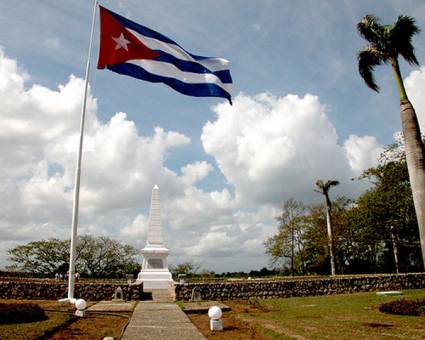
<point x="155" y="279"/>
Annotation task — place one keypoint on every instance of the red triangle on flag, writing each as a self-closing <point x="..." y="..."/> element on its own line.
<point x="118" y="44"/>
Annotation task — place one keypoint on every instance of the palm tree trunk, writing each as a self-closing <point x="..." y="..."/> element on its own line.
<point x="415" y="158"/>
<point x="415" y="154"/>
<point x="399" y="80"/>
<point x="330" y="236"/>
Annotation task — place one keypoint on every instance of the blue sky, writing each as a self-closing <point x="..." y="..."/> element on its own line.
<point x="301" y="112"/>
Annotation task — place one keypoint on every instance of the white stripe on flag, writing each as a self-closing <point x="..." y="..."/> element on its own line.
<point x="213" y="64"/>
<point x="169" y="70"/>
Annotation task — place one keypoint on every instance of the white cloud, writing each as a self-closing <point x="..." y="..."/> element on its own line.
<point x="268" y="148"/>
<point x="196" y="171"/>
<point x="137" y="228"/>
<point x="415" y="84"/>
<point x="362" y="152"/>
<point x="39" y="130"/>
<point x="273" y="148"/>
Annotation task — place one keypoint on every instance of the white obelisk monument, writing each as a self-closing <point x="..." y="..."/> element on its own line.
<point x="155" y="273"/>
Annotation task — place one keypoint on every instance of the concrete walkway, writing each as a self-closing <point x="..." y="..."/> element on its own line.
<point x="158" y="321"/>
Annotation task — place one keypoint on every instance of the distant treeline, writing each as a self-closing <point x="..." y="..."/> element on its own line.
<point x="376" y="233"/>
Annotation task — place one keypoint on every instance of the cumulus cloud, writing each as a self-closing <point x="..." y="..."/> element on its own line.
<point x="39" y="134"/>
<point x="268" y="148"/>
<point x="137" y="228"/>
<point x="39" y="131"/>
<point x="362" y="152"/>
<point x="272" y="148"/>
<point x="196" y="171"/>
<point x="415" y="84"/>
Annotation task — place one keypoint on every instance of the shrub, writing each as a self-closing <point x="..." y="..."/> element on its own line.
<point x="20" y="313"/>
<point x="404" y="307"/>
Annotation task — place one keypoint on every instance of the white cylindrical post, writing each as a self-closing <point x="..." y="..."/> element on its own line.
<point x="71" y="278"/>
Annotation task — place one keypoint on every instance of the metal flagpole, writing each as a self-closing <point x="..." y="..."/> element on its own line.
<point x="71" y="277"/>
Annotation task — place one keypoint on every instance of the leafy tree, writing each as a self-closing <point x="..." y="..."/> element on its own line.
<point x="391" y="211"/>
<point x="386" y="44"/>
<point x="288" y="242"/>
<point x="187" y="268"/>
<point x="95" y="257"/>
<point x="376" y="233"/>
<point x="263" y="272"/>
<point x="104" y="257"/>
<point x="39" y="257"/>
<point x="324" y="188"/>
<point x="316" y="251"/>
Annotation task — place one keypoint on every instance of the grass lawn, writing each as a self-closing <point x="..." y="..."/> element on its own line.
<point x="353" y="316"/>
<point x="61" y="323"/>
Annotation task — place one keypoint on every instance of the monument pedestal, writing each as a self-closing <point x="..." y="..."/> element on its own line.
<point x="155" y="280"/>
<point x="155" y="274"/>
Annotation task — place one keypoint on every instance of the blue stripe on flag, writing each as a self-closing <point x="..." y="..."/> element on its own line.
<point x="203" y="89"/>
<point x="196" y="90"/>
<point x="190" y="66"/>
<point x="141" y="29"/>
<point x="147" y="32"/>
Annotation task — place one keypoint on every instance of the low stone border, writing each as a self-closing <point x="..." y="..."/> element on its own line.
<point x="202" y="307"/>
<point x="298" y="287"/>
<point x="55" y="290"/>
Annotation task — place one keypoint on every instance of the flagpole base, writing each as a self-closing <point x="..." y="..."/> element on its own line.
<point x="68" y="300"/>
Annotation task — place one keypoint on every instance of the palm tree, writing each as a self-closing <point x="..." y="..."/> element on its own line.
<point x="386" y="44"/>
<point x="324" y="188"/>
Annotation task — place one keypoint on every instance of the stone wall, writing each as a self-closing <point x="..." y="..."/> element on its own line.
<point x="299" y="287"/>
<point x="55" y="290"/>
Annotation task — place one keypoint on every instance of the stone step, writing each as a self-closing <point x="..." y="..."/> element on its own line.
<point x="162" y="295"/>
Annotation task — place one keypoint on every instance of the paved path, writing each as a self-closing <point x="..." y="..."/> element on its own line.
<point x="158" y="321"/>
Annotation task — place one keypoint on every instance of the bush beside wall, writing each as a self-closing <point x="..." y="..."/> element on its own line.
<point x="299" y="287"/>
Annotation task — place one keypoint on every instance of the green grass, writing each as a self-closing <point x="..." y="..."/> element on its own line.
<point x="180" y="304"/>
<point x="57" y="316"/>
<point x="353" y="316"/>
<point x="62" y="324"/>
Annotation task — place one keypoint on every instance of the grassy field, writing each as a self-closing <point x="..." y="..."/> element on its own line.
<point x="353" y="316"/>
<point x="62" y="324"/>
<point x="58" y="315"/>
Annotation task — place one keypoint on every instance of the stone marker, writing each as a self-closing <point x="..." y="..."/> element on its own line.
<point x="118" y="295"/>
<point x="196" y="295"/>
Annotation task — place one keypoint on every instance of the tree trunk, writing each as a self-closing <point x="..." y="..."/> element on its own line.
<point x="394" y="241"/>
<point x="330" y="236"/>
<point x="415" y="158"/>
<point x="292" y="250"/>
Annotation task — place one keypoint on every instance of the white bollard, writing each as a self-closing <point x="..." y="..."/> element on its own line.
<point x="215" y="313"/>
<point x="216" y="325"/>
<point x="81" y="305"/>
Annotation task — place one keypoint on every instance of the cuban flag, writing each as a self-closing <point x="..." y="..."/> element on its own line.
<point x="137" y="51"/>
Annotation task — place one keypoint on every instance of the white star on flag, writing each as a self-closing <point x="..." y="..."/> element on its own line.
<point x="121" y="42"/>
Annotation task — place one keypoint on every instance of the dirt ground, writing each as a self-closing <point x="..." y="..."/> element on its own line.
<point x="62" y="324"/>
<point x="234" y="327"/>
<point x="94" y="326"/>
